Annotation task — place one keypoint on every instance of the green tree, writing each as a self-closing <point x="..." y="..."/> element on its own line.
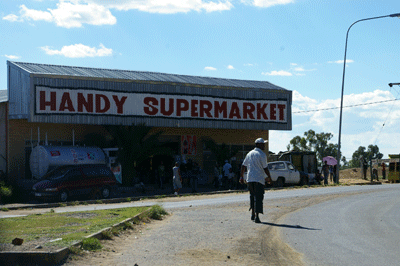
<point x="318" y="142"/>
<point x="371" y="153"/>
<point x="135" y="145"/>
<point x="345" y="163"/>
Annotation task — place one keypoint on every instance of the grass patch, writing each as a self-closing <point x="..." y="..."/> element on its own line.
<point x="156" y="212"/>
<point x="91" y="244"/>
<point x="74" y="203"/>
<point x="75" y="250"/>
<point x="4" y="209"/>
<point x="108" y="235"/>
<point x="71" y="227"/>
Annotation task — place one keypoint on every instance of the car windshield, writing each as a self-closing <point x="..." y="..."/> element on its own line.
<point x="56" y="173"/>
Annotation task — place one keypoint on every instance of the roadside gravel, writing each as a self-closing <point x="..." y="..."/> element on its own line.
<point x="209" y="235"/>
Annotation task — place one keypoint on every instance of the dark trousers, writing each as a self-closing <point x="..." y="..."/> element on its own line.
<point x="256" y="196"/>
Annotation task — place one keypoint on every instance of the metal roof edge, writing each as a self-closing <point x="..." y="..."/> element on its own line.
<point x="218" y="82"/>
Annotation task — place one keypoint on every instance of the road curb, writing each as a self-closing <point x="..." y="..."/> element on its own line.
<point x="51" y="258"/>
<point x="105" y="201"/>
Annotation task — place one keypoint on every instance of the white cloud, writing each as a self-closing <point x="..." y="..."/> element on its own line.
<point x="12" y="57"/>
<point x="79" y="51"/>
<point x="213" y="6"/>
<point x="341" y="61"/>
<point x="35" y="15"/>
<point x="250" y="64"/>
<point x="68" y="14"/>
<point x="74" y="15"/>
<point x="166" y="6"/>
<point x="299" y="69"/>
<point x="209" y="68"/>
<point x="362" y="125"/>
<point x="269" y="3"/>
<point x="277" y="73"/>
<point x="230" y="67"/>
<point x="12" y="18"/>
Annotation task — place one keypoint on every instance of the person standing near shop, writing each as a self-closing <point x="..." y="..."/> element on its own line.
<point x="383" y="171"/>
<point x="325" y="171"/>
<point x="226" y="170"/>
<point x="255" y="163"/>
<point x="177" y="178"/>
<point x="161" y="174"/>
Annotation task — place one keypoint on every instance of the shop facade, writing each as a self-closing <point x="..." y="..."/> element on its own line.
<point x="60" y="105"/>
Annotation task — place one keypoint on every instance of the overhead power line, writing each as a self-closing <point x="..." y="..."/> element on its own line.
<point x="348" y="106"/>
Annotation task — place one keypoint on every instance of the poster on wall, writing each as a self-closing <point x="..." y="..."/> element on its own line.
<point x="117" y="170"/>
<point x="188" y="144"/>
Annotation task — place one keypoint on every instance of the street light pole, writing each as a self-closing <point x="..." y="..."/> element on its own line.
<point x="341" y="98"/>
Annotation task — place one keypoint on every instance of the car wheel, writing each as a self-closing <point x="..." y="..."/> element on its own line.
<point x="105" y="192"/>
<point x="279" y="182"/>
<point x="63" y="196"/>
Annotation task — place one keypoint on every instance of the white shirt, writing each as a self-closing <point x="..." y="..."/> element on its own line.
<point x="176" y="172"/>
<point x="226" y="168"/>
<point x="255" y="162"/>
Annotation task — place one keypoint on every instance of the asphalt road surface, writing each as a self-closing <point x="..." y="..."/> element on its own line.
<point x="356" y="225"/>
<point x="360" y="229"/>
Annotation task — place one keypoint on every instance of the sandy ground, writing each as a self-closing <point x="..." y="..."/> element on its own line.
<point x="219" y="235"/>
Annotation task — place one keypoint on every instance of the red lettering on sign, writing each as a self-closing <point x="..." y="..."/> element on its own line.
<point x="52" y="103"/>
<point x="151" y="102"/>
<point x="119" y="103"/>
<point x="194" y="111"/>
<point x="98" y="103"/>
<point x="181" y="105"/>
<point x="261" y="111"/>
<point x="82" y="102"/>
<point x="272" y="111"/>
<point x="66" y="103"/>
<point x="281" y="108"/>
<point x="205" y="108"/>
<point x="170" y="105"/>
<point x="235" y="111"/>
<point x="220" y="108"/>
<point x="248" y="110"/>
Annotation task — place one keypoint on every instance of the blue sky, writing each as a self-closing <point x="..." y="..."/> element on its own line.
<point x="295" y="44"/>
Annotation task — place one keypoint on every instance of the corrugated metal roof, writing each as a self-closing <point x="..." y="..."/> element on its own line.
<point x="3" y="96"/>
<point x="73" y="71"/>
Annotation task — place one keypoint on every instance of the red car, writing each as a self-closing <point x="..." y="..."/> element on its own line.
<point x="69" y="181"/>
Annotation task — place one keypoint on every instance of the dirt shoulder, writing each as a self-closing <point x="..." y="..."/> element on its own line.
<point x="206" y="236"/>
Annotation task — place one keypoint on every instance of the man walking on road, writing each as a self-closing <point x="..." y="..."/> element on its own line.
<point x="255" y="164"/>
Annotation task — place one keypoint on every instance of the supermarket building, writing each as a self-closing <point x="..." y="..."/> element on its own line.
<point x="60" y="105"/>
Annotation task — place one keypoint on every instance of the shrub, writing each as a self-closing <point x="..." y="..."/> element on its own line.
<point x="5" y="190"/>
<point x="91" y="244"/>
<point x="157" y="212"/>
<point x="107" y="234"/>
<point x="75" y="250"/>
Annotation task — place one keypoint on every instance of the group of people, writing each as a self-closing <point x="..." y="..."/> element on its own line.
<point x="329" y="171"/>
<point x="364" y="170"/>
<point x="190" y="173"/>
<point x="225" y="177"/>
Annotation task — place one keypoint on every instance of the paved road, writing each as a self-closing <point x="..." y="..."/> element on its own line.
<point x="223" y="199"/>
<point x="361" y="229"/>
